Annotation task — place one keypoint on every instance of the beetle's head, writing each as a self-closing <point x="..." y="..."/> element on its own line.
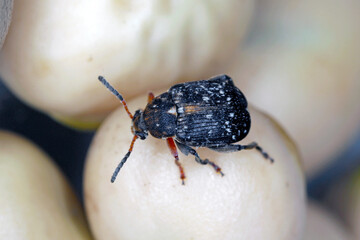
<point x="138" y="127"/>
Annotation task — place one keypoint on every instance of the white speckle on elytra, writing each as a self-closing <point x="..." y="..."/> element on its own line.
<point x="221" y="91"/>
<point x="228" y="129"/>
<point x="206" y="99"/>
<point x="245" y="131"/>
<point x="231" y="115"/>
<point x="209" y="116"/>
<point x="158" y="125"/>
<point x="233" y="137"/>
<point x="228" y="99"/>
<point x="172" y="111"/>
<point x="185" y="127"/>
<point x="180" y="110"/>
<point x="227" y="123"/>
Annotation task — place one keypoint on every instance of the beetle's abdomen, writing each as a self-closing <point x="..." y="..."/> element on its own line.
<point x="210" y="112"/>
<point x="160" y="117"/>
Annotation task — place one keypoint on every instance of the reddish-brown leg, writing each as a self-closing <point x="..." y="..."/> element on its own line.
<point x="174" y="152"/>
<point x="150" y="97"/>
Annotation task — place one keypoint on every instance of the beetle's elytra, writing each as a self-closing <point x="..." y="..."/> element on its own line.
<point x="208" y="113"/>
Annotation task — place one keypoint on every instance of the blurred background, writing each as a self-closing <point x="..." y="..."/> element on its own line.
<point x="65" y="145"/>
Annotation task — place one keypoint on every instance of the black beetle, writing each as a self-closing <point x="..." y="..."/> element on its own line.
<point x="208" y="113"/>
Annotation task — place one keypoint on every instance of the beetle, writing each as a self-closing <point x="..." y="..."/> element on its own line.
<point x="207" y="113"/>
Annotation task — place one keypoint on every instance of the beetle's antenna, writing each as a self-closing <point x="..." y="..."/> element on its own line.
<point x="117" y="170"/>
<point x="116" y="93"/>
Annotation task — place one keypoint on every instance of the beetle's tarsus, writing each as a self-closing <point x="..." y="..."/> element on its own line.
<point x="238" y="147"/>
<point x="265" y="154"/>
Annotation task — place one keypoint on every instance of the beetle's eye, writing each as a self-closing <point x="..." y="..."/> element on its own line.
<point x="142" y="135"/>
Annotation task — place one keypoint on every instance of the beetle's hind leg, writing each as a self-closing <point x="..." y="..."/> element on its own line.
<point x="238" y="147"/>
<point x="186" y="150"/>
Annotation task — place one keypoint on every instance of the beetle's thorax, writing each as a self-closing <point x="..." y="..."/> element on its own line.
<point x="138" y="125"/>
<point x="160" y="116"/>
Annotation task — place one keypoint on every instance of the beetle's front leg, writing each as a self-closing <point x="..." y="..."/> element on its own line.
<point x="150" y="97"/>
<point x="174" y="152"/>
<point x="238" y="147"/>
<point x="186" y="150"/>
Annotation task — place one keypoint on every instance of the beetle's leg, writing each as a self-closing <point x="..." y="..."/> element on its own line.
<point x="150" y="97"/>
<point x="186" y="150"/>
<point x="124" y="159"/>
<point x="174" y="152"/>
<point x="238" y="147"/>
